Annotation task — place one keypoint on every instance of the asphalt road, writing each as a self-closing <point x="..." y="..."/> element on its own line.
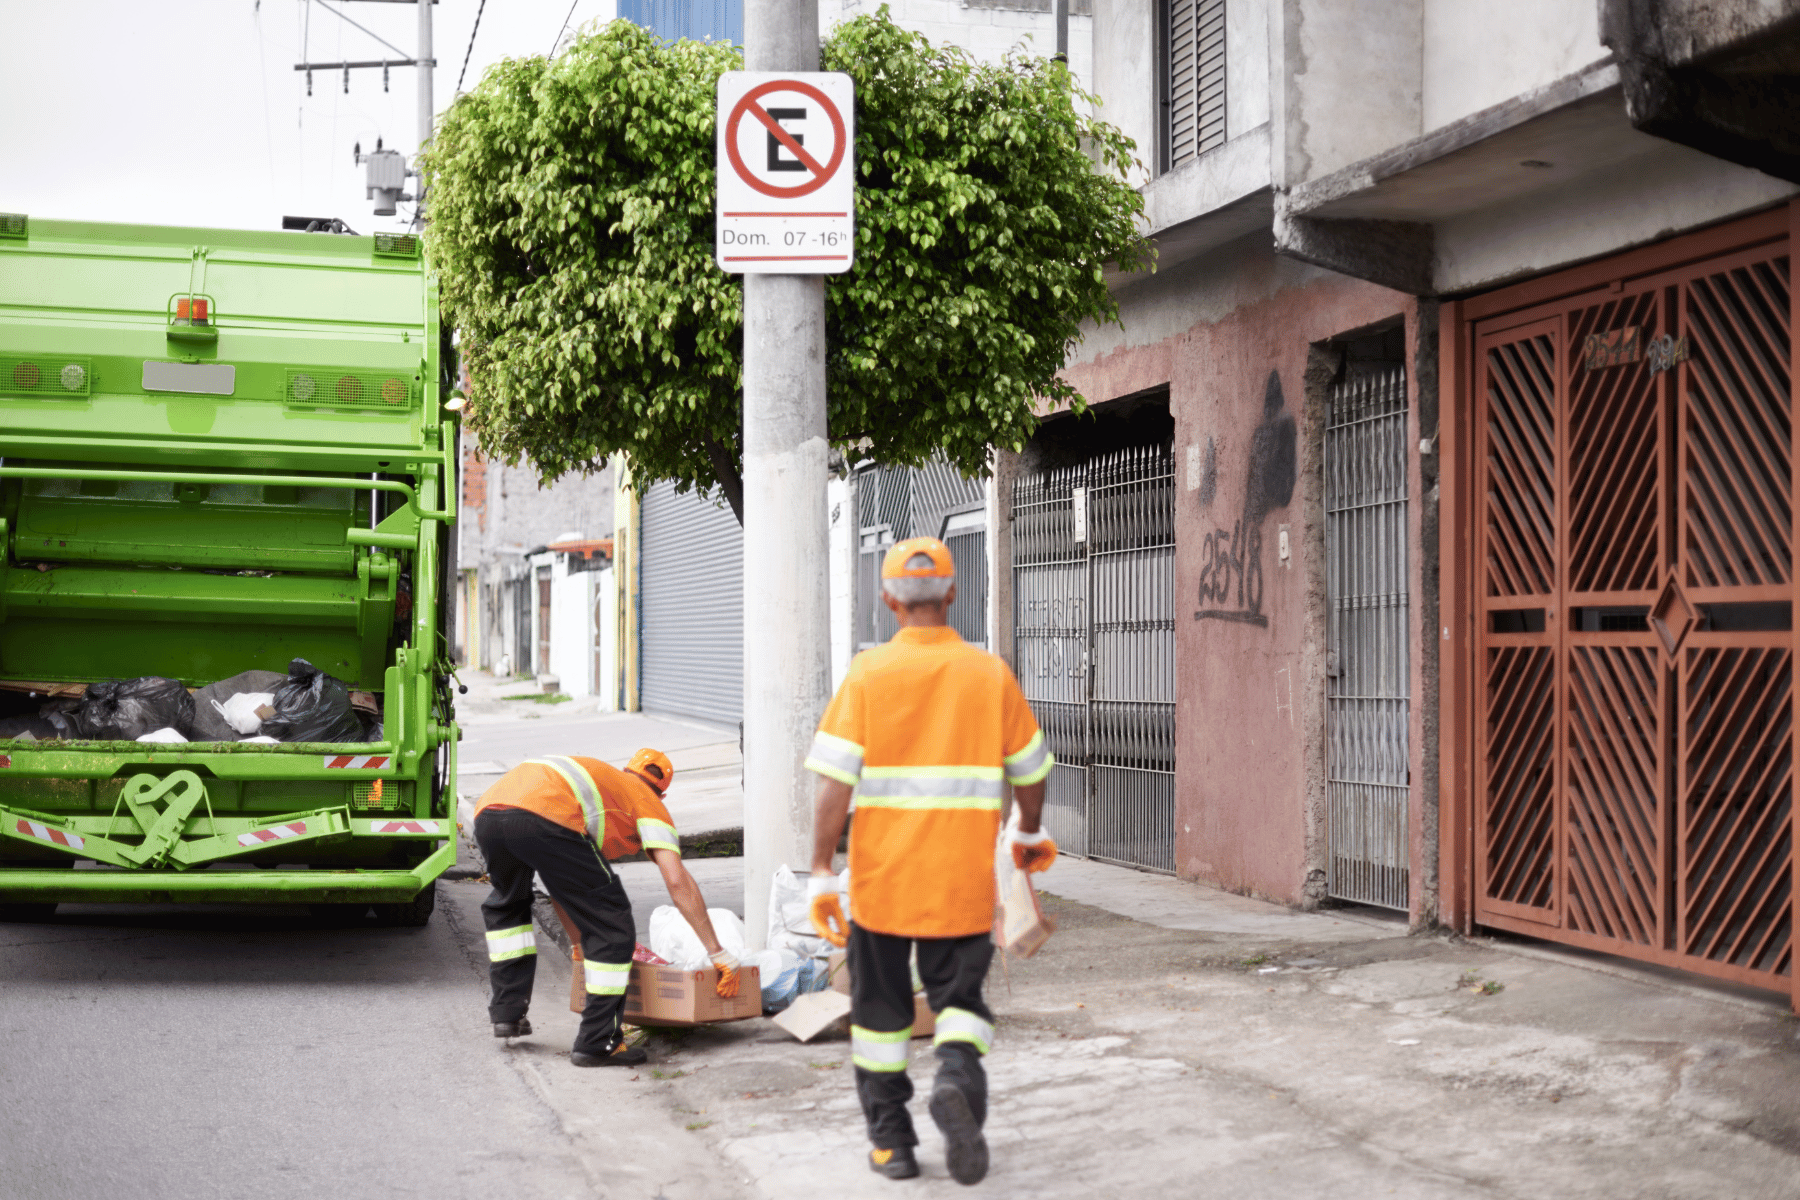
<point x="150" y="1052"/>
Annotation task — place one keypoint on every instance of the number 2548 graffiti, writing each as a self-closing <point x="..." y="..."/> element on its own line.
<point x="1231" y="578"/>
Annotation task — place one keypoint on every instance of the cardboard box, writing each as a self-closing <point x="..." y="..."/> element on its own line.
<point x="667" y="996"/>
<point x="924" y="1020"/>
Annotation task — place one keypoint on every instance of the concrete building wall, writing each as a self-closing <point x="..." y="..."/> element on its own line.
<point x="1232" y="337"/>
<point x="1478" y="53"/>
<point x="1352" y="74"/>
<point x="986" y="30"/>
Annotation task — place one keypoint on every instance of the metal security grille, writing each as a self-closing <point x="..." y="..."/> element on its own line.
<point x="1094" y="629"/>
<point x="895" y="503"/>
<point x="692" y="600"/>
<point x="1367" y="695"/>
<point x="1633" y="460"/>
<point x="1194" y="79"/>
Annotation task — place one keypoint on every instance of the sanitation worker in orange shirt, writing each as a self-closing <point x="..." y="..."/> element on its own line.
<point x="927" y="730"/>
<point x="563" y="818"/>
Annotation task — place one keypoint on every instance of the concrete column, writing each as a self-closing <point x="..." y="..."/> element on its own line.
<point x="787" y="615"/>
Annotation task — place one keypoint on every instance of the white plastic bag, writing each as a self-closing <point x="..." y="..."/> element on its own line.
<point x="240" y="713"/>
<point x="165" y="734"/>
<point x="790" y="914"/>
<point x="673" y="939"/>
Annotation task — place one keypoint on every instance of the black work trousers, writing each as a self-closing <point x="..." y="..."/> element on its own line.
<point x="881" y="1017"/>
<point x="517" y="843"/>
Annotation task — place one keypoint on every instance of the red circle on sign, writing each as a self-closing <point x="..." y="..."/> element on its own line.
<point x="784" y="85"/>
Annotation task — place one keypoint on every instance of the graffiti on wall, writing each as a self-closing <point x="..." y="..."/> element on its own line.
<point x="1231" y="573"/>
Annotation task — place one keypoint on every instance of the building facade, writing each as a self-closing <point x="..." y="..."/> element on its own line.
<point x="1471" y="336"/>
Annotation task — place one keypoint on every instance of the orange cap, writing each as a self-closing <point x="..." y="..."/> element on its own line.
<point x="653" y="767"/>
<point x="900" y="564"/>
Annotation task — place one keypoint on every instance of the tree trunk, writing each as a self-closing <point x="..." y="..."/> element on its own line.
<point x="726" y="471"/>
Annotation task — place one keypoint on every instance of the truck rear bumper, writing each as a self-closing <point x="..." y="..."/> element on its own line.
<point x="110" y="886"/>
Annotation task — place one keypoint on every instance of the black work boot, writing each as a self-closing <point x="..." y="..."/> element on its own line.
<point x="621" y="1056"/>
<point x="959" y="1107"/>
<point x="897" y="1163"/>
<point x="512" y="1029"/>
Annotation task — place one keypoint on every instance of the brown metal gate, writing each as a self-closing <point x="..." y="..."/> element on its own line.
<point x="1632" y="587"/>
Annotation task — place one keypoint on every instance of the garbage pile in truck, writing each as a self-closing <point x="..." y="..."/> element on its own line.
<point x="305" y="705"/>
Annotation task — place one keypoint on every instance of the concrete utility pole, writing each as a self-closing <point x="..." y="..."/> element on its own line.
<point x="787" y="630"/>
<point x="426" y="62"/>
<point x="1062" y="30"/>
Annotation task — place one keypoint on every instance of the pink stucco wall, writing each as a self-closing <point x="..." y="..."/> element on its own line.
<point x="1249" y="717"/>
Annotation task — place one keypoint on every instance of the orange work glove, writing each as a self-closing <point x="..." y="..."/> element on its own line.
<point x="727" y="964"/>
<point x="827" y="913"/>
<point x="1033" y="852"/>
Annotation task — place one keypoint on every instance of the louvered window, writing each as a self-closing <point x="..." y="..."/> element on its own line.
<point x="1193" y="79"/>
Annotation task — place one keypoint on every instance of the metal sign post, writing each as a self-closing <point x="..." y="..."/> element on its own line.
<point x="785" y="186"/>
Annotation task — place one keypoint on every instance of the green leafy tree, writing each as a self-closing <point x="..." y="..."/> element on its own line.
<point x="572" y="231"/>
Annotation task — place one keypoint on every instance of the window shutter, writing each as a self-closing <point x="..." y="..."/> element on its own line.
<point x="1196" y="75"/>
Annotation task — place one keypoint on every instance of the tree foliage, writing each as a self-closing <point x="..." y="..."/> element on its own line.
<point x="572" y="231"/>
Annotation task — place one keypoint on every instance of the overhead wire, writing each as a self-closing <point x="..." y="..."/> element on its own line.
<point x="471" y="49"/>
<point x="563" y="30"/>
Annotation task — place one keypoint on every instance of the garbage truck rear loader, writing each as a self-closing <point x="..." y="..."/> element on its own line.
<point x="221" y="452"/>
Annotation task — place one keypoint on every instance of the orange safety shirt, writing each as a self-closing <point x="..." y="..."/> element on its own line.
<point x="926" y="728"/>
<point x="627" y="814"/>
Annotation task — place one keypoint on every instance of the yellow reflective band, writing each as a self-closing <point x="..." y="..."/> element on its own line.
<point x="658" y="835"/>
<point x="516" y="942"/>
<point x="879" y="1050"/>
<point x="1030" y="764"/>
<point x="607" y="979"/>
<point x="961" y="1025"/>
<point x="835" y="758"/>
<point x="582" y="784"/>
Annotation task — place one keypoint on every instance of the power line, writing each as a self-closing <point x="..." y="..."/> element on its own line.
<point x="563" y="30"/>
<point x="471" y="49"/>
<point x="342" y="17"/>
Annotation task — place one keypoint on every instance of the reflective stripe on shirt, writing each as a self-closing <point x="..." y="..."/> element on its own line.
<point x="836" y="758"/>
<point x="961" y="1025"/>
<point x="657" y="835"/>
<point x="607" y="979"/>
<point x="1030" y="764"/>
<point x="516" y="942"/>
<point x="876" y="1050"/>
<point x="931" y="787"/>
<point x="582" y="784"/>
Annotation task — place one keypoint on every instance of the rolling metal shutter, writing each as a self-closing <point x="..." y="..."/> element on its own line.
<point x="693" y="607"/>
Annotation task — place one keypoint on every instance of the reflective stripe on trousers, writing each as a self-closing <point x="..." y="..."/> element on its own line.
<point x="876" y="1050"/>
<point x="961" y="1025"/>
<point x="516" y="942"/>
<point x="582" y="784"/>
<point x="607" y="979"/>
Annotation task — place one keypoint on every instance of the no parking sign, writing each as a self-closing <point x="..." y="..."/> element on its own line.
<point x="786" y="173"/>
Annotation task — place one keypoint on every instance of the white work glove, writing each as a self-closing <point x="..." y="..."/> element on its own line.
<point x="727" y="964"/>
<point x="826" y="910"/>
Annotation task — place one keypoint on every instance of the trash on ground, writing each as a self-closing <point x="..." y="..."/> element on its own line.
<point x="675" y="942"/>
<point x="668" y="996"/>
<point x="814" y="1013"/>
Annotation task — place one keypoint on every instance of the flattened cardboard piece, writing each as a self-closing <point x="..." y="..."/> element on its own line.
<point x="667" y="996"/>
<point x="924" y="1020"/>
<point x="813" y="1013"/>
<point x="1019" y="921"/>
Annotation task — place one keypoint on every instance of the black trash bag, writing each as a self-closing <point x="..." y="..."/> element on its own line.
<point x="123" y="710"/>
<point x="29" y="728"/>
<point x="311" y="706"/>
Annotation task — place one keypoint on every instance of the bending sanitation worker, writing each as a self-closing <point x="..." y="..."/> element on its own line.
<point x="564" y="818"/>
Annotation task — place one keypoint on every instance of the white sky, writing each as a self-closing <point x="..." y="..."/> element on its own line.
<point x="190" y="112"/>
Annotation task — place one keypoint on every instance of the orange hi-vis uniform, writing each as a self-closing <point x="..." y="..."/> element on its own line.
<point x="618" y="811"/>
<point x="927" y="728"/>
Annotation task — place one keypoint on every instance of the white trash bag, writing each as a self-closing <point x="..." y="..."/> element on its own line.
<point x="673" y="940"/>
<point x="790" y="914"/>
<point x="165" y="734"/>
<point x="240" y="713"/>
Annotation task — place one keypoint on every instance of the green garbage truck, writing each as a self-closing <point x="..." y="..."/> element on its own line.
<point x="224" y="452"/>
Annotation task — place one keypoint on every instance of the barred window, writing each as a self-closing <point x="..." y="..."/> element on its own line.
<point x="1193" y="78"/>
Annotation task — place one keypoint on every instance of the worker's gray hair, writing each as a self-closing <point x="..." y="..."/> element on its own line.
<point x="919" y="589"/>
